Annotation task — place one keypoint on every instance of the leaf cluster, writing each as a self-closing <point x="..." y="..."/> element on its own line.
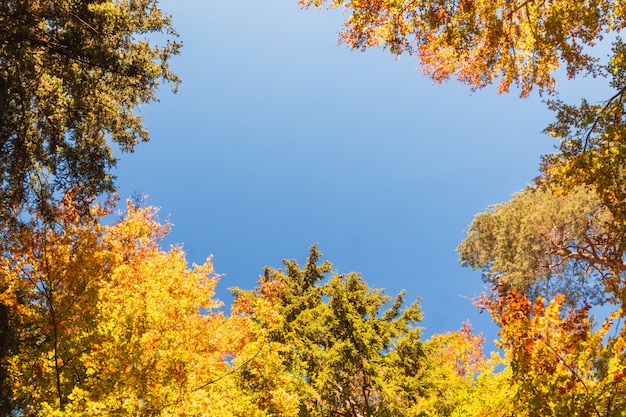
<point x="71" y="75"/>
<point x="349" y="357"/>
<point x="108" y="323"/>
<point x="561" y="363"/>
<point x="545" y="244"/>
<point x="481" y="41"/>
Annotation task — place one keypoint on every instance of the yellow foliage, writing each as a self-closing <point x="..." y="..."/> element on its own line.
<point x="114" y="325"/>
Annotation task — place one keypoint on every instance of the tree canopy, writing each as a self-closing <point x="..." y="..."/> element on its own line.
<point x="99" y="319"/>
<point x="71" y="74"/>
<point x="561" y="362"/>
<point x="349" y="357"/>
<point x="481" y="41"/>
<point x="545" y="244"/>
<point x="106" y="321"/>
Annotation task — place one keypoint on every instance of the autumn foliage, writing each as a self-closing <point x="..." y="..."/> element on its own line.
<point x="110" y="323"/>
<point x="481" y="41"/>
<point x="561" y="362"/>
<point x="96" y="318"/>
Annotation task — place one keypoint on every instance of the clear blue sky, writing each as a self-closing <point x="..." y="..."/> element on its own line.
<point x="279" y="138"/>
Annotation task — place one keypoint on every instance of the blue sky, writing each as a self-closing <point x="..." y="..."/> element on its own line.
<point x="279" y="138"/>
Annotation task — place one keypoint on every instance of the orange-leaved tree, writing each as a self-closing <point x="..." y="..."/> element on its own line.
<point x="561" y="363"/>
<point x="481" y="41"/>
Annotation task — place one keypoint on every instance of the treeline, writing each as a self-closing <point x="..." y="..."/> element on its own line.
<point x="98" y="319"/>
<point x="103" y="321"/>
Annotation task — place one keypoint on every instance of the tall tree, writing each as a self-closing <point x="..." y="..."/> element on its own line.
<point x="542" y="243"/>
<point x="71" y="74"/>
<point x="550" y="255"/>
<point x="109" y="323"/>
<point x="349" y="356"/>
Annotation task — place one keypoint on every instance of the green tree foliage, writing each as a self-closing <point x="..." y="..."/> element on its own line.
<point x="71" y="74"/>
<point x="545" y="244"/>
<point x="348" y="356"/>
<point x="592" y="145"/>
